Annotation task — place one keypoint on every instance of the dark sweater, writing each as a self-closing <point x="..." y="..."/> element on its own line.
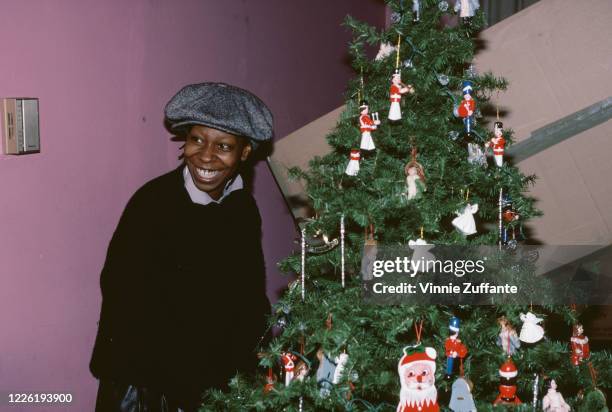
<point x="183" y="291"/>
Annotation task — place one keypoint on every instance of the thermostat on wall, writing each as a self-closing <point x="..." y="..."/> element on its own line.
<point x="21" y="127"/>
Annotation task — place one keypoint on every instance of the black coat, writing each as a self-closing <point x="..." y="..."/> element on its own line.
<point x="183" y="290"/>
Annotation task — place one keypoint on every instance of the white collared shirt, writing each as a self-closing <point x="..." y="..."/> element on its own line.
<point x="203" y="198"/>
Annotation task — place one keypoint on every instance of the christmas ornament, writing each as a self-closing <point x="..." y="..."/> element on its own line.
<point x="395" y="94"/>
<point x="442" y="79"/>
<point x="270" y="381"/>
<point x="342" y="260"/>
<point x="408" y="63"/>
<point x="415" y="177"/>
<point x="553" y="401"/>
<point x="385" y="50"/>
<point x="497" y="143"/>
<point x="453" y="346"/>
<point x="471" y="72"/>
<point x="288" y="359"/>
<point x="443" y="6"/>
<point x="475" y="155"/>
<point x="531" y="332"/>
<point x="580" y="345"/>
<point x="366" y="126"/>
<point x="507" y="339"/>
<point x="416" y="370"/>
<point x="341" y="361"/>
<point x="396" y="17"/>
<point x="416" y="10"/>
<point x="534" y="402"/>
<point x="466" y="9"/>
<point x="453" y="135"/>
<point x="421" y="250"/>
<point x="303" y="274"/>
<point x="370" y="251"/>
<point x="461" y="397"/>
<point x="466" y="108"/>
<point x="352" y="169"/>
<point x="464" y="222"/>
<point x="507" y="385"/>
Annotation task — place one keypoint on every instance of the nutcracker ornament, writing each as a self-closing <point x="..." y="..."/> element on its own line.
<point x="395" y="95"/>
<point x="416" y="370"/>
<point x="352" y="169"/>
<point x="454" y="347"/>
<point x="553" y="401"/>
<point x="507" y="385"/>
<point x="579" y="345"/>
<point x="497" y="143"/>
<point x="466" y="9"/>
<point x="467" y="107"/>
<point x="531" y="332"/>
<point x="366" y="125"/>
<point x="507" y="339"/>
<point x="288" y="359"/>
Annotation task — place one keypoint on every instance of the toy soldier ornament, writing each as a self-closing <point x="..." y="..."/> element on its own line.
<point x="553" y="401"/>
<point x="467" y="107"/>
<point x="497" y="143"/>
<point x="395" y="95"/>
<point x="580" y="345"/>
<point x="366" y="126"/>
<point x="454" y="347"/>
<point x="288" y="359"/>
<point x="464" y="222"/>
<point x="531" y="332"/>
<point x="416" y="370"/>
<point x="352" y="169"/>
<point x="507" y="385"/>
<point x="507" y="339"/>
<point x="461" y="397"/>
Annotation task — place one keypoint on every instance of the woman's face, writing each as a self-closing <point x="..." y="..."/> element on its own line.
<point x="213" y="157"/>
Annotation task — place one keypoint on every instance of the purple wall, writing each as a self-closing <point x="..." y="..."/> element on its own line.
<point x="103" y="71"/>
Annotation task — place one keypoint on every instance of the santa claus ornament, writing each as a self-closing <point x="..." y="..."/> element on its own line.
<point x="531" y="332"/>
<point x="367" y="124"/>
<point x="553" y="401"/>
<point x="579" y="345"/>
<point x="497" y="143"/>
<point x="352" y="169"/>
<point x="467" y="107"/>
<point x="417" y="378"/>
<point x="395" y="94"/>
<point x="455" y="350"/>
<point x="507" y="385"/>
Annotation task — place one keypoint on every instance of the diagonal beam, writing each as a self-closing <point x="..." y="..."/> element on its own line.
<point x="562" y="129"/>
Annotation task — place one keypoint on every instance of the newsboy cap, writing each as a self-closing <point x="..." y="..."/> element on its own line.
<point x="223" y="107"/>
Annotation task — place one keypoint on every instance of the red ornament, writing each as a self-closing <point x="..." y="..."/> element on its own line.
<point x="580" y="346"/>
<point x="507" y="385"/>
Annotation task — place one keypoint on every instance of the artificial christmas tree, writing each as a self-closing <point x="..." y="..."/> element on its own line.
<point x="356" y="356"/>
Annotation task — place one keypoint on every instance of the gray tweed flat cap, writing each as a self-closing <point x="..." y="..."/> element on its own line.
<point x="223" y="107"/>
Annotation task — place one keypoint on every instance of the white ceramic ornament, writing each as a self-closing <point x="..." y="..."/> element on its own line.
<point x="531" y="332"/>
<point x="421" y="250"/>
<point x="464" y="222"/>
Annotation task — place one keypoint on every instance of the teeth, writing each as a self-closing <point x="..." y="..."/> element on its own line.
<point x="206" y="173"/>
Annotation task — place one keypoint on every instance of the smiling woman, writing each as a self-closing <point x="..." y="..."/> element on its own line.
<point x="213" y="157"/>
<point x="172" y="323"/>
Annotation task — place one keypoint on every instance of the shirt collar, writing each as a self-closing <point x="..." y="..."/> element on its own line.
<point x="203" y="198"/>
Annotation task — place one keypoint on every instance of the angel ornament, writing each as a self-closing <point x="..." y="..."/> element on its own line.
<point x="531" y="332"/>
<point x="466" y="9"/>
<point x="464" y="222"/>
<point x="415" y="178"/>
